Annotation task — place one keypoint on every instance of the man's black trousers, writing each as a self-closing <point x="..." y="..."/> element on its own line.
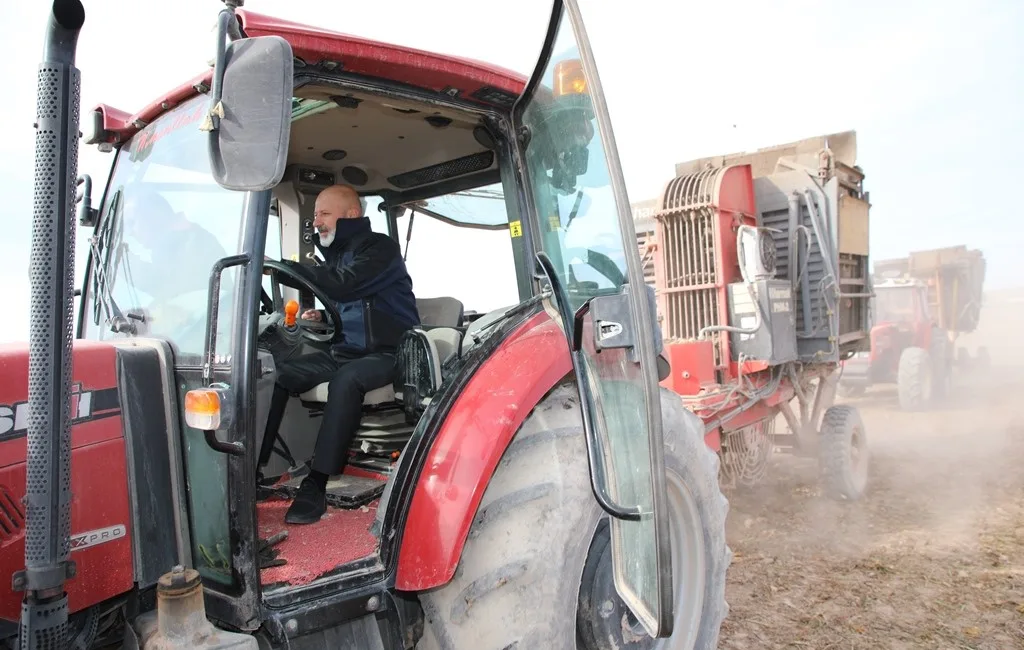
<point x="350" y="379"/>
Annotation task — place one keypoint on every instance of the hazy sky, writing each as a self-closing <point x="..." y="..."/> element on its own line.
<point x="934" y="90"/>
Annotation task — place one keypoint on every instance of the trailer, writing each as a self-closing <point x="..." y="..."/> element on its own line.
<point x="762" y="282"/>
<point x="922" y="304"/>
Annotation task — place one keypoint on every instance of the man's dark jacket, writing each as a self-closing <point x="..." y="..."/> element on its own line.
<point x="365" y="275"/>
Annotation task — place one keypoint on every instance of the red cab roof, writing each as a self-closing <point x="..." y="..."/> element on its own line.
<point x="466" y="79"/>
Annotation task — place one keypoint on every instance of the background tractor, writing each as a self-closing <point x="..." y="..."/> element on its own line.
<point x="922" y="304"/>
<point x="524" y="482"/>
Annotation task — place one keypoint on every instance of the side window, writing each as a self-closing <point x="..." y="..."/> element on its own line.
<point x="459" y="246"/>
<point x="922" y="301"/>
<point x="378" y="220"/>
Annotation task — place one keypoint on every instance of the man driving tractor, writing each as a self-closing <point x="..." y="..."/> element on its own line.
<point x="365" y="275"/>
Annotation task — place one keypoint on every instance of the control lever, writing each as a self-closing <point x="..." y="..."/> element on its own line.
<point x="291" y="308"/>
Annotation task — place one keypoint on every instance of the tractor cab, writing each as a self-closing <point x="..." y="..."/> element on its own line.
<point x="900" y="302"/>
<point x="508" y="203"/>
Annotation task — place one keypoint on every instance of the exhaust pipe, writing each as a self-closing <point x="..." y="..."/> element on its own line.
<point x="44" y="611"/>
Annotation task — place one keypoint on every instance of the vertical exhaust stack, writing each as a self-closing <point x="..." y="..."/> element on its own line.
<point x="48" y="482"/>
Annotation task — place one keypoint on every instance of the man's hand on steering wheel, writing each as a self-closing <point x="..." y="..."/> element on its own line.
<point x="292" y="274"/>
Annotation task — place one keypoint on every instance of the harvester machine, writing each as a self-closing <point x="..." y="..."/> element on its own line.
<point x="922" y="304"/>
<point x="761" y="272"/>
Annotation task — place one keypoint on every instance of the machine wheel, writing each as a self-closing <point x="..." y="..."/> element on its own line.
<point x="914" y="379"/>
<point x="843" y="453"/>
<point x="539" y="542"/>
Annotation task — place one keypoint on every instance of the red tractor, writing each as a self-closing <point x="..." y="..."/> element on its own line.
<point x="525" y="482"/>
<point x="921" y="305"/>
<point x="760" y="261"/>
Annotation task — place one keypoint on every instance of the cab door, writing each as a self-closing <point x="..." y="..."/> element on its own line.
<point x="587" y="253"/>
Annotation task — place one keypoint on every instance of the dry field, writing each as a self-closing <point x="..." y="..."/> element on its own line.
<point x="932" y="557"/>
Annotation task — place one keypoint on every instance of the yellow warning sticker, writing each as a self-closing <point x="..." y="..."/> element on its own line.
<point x="555" y="222"/>
<point x="515" y="228"/>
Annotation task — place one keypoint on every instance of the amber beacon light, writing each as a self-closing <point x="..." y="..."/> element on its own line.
<point x="569" y="78"/>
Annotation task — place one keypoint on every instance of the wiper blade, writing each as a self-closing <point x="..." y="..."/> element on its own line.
<point x="102" y="285"/>
<point x="115" y="317"/>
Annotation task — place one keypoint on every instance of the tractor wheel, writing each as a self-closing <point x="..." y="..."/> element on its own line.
<point x="914" y="379"/>
<point x="538" y="545"/>
<point x="843" y="453"/>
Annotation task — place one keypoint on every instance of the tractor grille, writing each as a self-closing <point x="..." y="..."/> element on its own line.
<point x="687" y="240"/>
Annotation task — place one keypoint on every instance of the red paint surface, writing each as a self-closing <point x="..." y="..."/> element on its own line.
<point x="468" y="446"/>
<point x="418" y="68"/>
<point x="692" y="366"/>
<point x="93" y="366"/>
<point x="713" y="439"/>
<point x="342" y="536"/>
<point x="99" y="483"/>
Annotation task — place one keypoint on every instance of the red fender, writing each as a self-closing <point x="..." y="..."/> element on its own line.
<point x="466" y="451"/>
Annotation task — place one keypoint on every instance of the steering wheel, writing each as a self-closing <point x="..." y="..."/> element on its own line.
<point x="331" y="330"/>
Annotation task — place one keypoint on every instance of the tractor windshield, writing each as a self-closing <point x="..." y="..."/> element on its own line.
<point x="894" y="304"/>
<point x="164" y="223"/>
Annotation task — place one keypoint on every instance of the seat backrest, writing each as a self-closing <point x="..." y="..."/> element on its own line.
<point x="443" y="311"/>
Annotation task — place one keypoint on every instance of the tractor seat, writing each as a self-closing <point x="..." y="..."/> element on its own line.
<point x="439" y="336"/>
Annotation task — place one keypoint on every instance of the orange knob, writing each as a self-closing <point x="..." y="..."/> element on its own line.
<point x="291" y="308"/>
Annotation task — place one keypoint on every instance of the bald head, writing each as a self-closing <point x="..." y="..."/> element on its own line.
<point x="334" y="203"/>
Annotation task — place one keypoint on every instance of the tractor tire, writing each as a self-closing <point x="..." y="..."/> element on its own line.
<point x="519" y="582"/>
<point x="914" y="379"/>
<point x="843" y="453"/>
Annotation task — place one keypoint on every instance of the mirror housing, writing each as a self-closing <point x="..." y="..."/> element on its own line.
<point x="250" y="117"/>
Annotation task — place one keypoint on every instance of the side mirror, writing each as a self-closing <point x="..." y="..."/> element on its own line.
<point x="83" y="198"/>
<point x="250" y="114"/>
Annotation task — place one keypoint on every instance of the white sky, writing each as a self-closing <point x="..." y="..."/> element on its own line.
<point x="933" y="89"/>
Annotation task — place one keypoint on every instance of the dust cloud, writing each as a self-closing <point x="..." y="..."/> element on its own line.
<point x="932" y="557"/>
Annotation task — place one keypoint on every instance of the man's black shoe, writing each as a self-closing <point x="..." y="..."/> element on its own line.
<point x="309" y="505"/>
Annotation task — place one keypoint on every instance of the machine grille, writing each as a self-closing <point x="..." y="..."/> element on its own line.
<point x="687" y="244"/>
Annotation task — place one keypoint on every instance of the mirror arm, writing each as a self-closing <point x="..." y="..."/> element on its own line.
<point x="83" y="196"/>
<point x="227" y="27"/>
